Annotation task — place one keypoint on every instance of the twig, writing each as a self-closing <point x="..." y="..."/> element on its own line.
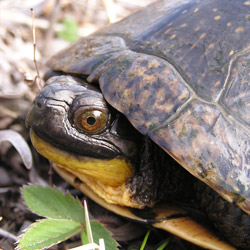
<point x="37" y="78"/>
<point x="8" y="112"/>
<point x="50" y="31"/>
<point x="8" y="235"/>
<point x="110" y="10"/>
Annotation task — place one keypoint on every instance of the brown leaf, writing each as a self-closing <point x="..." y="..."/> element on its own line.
<point x="20" y="144"/>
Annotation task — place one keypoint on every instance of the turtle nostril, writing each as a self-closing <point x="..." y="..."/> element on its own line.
<point x="40" y="105"/>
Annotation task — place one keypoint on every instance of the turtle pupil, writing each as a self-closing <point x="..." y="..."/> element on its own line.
<point x="91" y="120"/>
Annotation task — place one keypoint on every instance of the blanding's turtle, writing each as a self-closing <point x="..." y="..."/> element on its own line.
<point x="177" y="72"/>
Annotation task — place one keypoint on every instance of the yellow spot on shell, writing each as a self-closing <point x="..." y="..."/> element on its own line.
<point x="216" y="84"/>
<point x="247" y="3"/>
<point x="173" y="36"/>
<point x="167" y="31"/>
<point x="183" y="25"/>
<point x="211" y="46"/>
<point x="239" y="29"/>
<point x="216" y="18"/>
<point x="214" y="10"/>
<point x="196" y="29"/>
<point x="231" y="53"/>
<point x="229" y="24"/>
<point x="195" y="10"/>
<point x="202" y="36"/>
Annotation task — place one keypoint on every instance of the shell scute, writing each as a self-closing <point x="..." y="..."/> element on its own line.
<point x="182" y="77"/>
<point x="192" y="36"/>
<point x="212" y="148"/>
<point x="236" y="98"/>
<point x="146" y="89"/>
<point x="87" y="54"/>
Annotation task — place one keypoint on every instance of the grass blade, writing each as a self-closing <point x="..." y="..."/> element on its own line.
<point x="87" y="224"/>
<point x="145" y="240"/>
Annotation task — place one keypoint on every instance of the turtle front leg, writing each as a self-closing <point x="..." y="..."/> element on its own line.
<point x="159" y="177"/>
<point x="144" y="184"/>
<point x="227" y="218"/>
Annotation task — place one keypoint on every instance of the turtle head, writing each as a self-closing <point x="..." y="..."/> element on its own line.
<point x="73" y="126"/>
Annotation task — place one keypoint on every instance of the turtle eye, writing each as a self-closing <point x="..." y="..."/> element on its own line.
<point x="91" y="121"/>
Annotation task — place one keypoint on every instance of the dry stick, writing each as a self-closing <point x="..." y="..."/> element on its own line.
<point x="8" y="235"/>
<point x="50" y="31"/>
<point x="37" y="78"/>
<point x="110" y="10"/>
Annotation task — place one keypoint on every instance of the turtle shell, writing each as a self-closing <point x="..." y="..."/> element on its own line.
<point x="179" y="71"/>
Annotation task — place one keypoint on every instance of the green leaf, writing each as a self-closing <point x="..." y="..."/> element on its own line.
<point x="52" y="203"/>
<point x="84" y="237"/>
<point x="70" y="30"/>
<point x="48" y="232"/>
<point x="99" y="232"/>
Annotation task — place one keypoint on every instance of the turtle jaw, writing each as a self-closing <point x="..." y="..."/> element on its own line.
<point x="106" y="178"/>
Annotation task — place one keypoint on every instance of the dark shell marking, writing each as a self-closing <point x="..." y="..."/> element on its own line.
<point x="179" y="71"/>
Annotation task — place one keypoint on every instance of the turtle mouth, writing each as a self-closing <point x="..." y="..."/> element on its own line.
<point x="105" y="177"/>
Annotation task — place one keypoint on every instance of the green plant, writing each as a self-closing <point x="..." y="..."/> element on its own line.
<point x="64" y="217"/>
<point x="69" y="31"/>
<point x="161" y="247"/>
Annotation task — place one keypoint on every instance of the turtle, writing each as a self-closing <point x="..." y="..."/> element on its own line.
<point x="156" y="101"/>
